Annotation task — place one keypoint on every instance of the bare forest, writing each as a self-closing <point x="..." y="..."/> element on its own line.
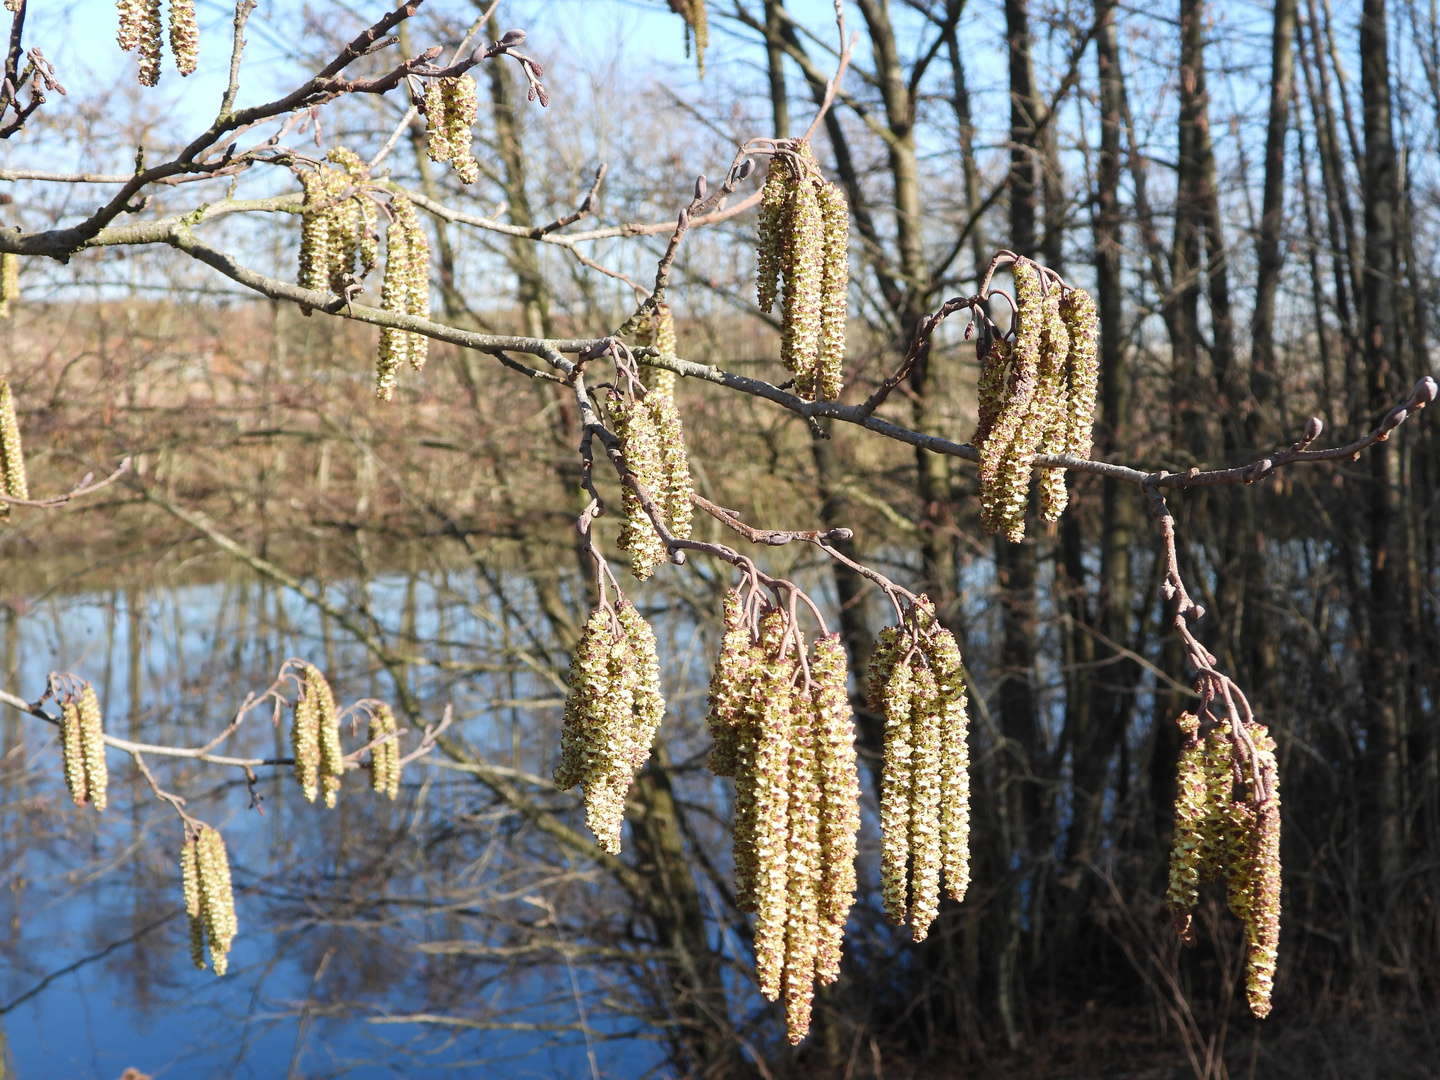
<point x="720" y="538"/>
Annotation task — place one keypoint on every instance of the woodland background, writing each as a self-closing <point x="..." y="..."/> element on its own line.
<point x="1252" y="193"/>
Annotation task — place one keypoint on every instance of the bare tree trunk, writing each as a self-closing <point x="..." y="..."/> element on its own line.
<point x="1272" y="211"/>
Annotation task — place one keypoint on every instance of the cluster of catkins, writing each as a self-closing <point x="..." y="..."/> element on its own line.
<point x="82" y="747"/>
<point x="406" y="290"/>
<point x="13" y="481"/>
<point x="315" y="737"/>
<point x="917" y="683"/>
<point x="209" y="898"/>
<point x="9" y="281"/>
<point x="657" y="329"/>
<point x="384" y="757"/>
<point x="450" y="108"/>
<point x="1219" y="836"/>
<point x="804" y="260"/>
<point x="1036" y="396"/>
<point x="652" y="439"/>
<point x="611" y="715"/>
<point x="140" y="30"/>
<point x="782" y="728"/>
<point x="338" y="242"/>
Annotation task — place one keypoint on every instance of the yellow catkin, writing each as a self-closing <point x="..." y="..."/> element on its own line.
<point x="13" y="480"/>
<point x="1219" y="785"/>
<point x="658" y="330"/>
<point x="1051" y="409"/>
<point x="700" y="24"/>
<point x="305" y="743"/>
<point x="612" y="712"/>
<point x="676" y="485"/>
<point x="150" y="48"/>
<point x="461" y="108"/>
<point x="9" y="282"/>
<point x="72" y="751"/>
<point x="802" y="870"/>
<point x="217" y="896"/>
<point x="925" y="844"/>
<point x="1009" y="451"/>
<point x="943" y="653"/>
<point x="802" y="319"/>
<point x="990" y="391"/>
<point x="384" y="758"/>
<point x="1262" y="929"/>
<point x="437" y="131"/>
<point x="331" y="764"/>
<point x="896" y="787"/>
<point x="405" y="289"/>
<point x="728" y="683"/>
<point x="644" y="457"/>
<point x="92" y="745"/>
<point x="1190" y="822"/>
<point x="1082" y="369"/>
<point x="839" y="802"/>
<point x="772" y="240"/>
<point x="834" y="291"/>
<point x="184" y="35"/>
<point x="771" y="813"/>
<point x="190" y="885"/>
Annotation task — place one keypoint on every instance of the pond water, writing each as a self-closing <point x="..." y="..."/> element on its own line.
<point x="344" y="915"/>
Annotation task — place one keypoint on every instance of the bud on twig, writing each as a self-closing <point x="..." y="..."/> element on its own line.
<point x="744" y="169"/>
<point x="1313" y="427"/>
<point x="700" y="188"/>
<point x="513" y="39"/>
<point x="1394" y="418"/>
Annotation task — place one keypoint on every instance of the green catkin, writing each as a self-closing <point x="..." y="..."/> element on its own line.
<point x="184" y="35"/>
<point x="72" y="751"/>
<point x="834" y="291"/>
<point x="461" y="108"/>
<point x="1190" y="822"/>
<point x="1262" y="929"/>
<point x="1077" y="309"/>
<point x="925" y="844"/>
<point x="190" y="885"/>
<point x="675" y="483"/>
<point x="405" y="289"/>
<point x="217" y="896"/>
<point x="772" y="822"/>
<point x="437" y="131"/>
<point x="943" y="652"/>
<point x="700" y="24"/>
<point x="92" y="746"/>
<point x="658" y="330"/>
<point x="1009" y="450"/>
<point x="1051" y="409"/>
<point x="1219" y="788"/>
<point x="645" y="459"/>
<point x="589" y="683"/>
<point x="802" y="870"/>
<point x="13" y="480"/>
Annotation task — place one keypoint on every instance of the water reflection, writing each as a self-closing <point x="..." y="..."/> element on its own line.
<point x="353" y="922"/>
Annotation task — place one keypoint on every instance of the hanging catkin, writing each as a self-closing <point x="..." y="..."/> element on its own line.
<point x="184" y="35"/>
<point x="917" y="684"/>
<point x="315" y="737"/>
<point x="451" y="106"/>
<point x="92" y="746"/>
<point x="1221" y="837"/>
<point x="789" y="743"/>
<point x="645" y="461"/>
<point x="151" y="37"/>
<point x="209" y="897"/>
<point x="9" y="282"/>
<point x="613" y="709"/>
<point x="384" y="757"/>
<point x="405" y="289"/>
<point x="13" y="480"/>
<point x="803" y="260"/>
<point x="72" y="751"/>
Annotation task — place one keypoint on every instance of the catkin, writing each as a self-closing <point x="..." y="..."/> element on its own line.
<point x="1051" y="408"/>
<point x="451" y="106"/>
<point x="190" y="884"/>
<point x="1237" y="840"/>
<point x="9" y="281"/>
<point x="917" y="684"/>
<point x="92" y="746"/>
<point x="150" y="39"/>
<point x="803" y="245"/>
<point x="405" y="289"/>
<point x="384" y="757"/>
<point x="658" y="329"/>
<point x="1077" y="309"/>
<point x="645" y="461"/>
<point x="612" y="712"/>
<point x="13" y="481"/>
<point x="305" y="743"/>
<point x="217" y="896"/>
<point x="790" y="744"/>
<point x="184" y="35"/>
<point x="326" y="753"/>
<point x="72" y="750"/>
<point x="132" y="23"/>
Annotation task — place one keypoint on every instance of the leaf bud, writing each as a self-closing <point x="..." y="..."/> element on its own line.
<point x="700" y="188"/>
<point x="513" y="39"/>
<point x="1313" y="427"/>
<point x="744" y="169"/>
<point x="1394" y="418"/>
